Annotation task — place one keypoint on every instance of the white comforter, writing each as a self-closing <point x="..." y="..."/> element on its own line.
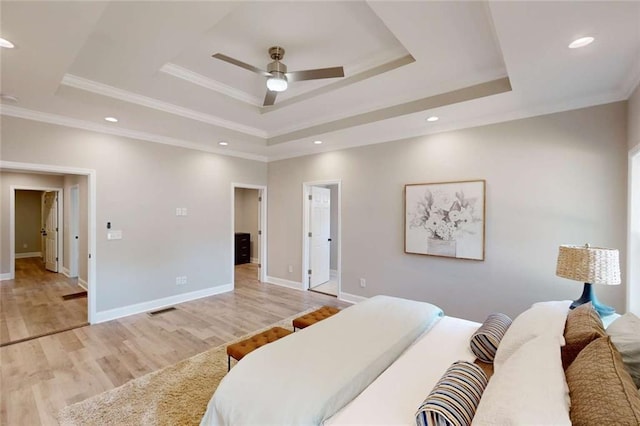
<point x="394" y="397"/>
<point x="306" y="377"/>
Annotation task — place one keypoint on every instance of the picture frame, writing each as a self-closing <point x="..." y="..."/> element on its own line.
<point x="445" y="219"/>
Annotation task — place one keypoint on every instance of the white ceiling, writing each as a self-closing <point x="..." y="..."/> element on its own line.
<point x="468" y="62"/>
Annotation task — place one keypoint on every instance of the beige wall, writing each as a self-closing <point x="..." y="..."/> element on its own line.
<point x="139" y="186"/>
<point x="246" y="216"/>
<point x="24" y="180"/>
<point x="633" y="120"/>
<point x="551" y="180"/>
<point x="28" y="221"/>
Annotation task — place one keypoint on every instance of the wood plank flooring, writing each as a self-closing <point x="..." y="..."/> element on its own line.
<point x="32" y="304"/>
<point x="40" y="376"/>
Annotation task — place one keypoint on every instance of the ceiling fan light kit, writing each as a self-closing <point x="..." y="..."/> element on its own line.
<point x="277" y="76"/>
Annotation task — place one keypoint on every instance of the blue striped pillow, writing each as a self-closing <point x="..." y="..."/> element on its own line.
<point x="454" y="399"/>
<point x="485" y="341"/>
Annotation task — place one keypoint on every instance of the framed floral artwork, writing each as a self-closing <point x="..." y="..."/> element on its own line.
<point x="445" y="219"/>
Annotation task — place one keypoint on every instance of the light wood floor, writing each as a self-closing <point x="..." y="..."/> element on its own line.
<point x="32" y="304"/>
<point x="41" y="376"/>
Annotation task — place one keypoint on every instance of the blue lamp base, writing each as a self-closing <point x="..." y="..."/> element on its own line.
<point x="589" y="295"/>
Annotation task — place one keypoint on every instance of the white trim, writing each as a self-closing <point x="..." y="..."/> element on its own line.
<point x="255" y="260"/>
<point x="134" y="98"/>
<point x="74" y="224"/>
<point x="284" y="283"/>
<point x="82" y="283"/>
<point x="5" y="277"/>
<point x="27" y="114"/>
<point x="91" y="212"/>
<point x="351" y="298"/>
<point x="65" y="271"/>
<point x="30" y="254"/>
<point x="333" y="273"/>
<point x="208" y="83"/>
<point x="631" y="253"/>
<point x="138" y="308"/>
<point x="262" y="226"/>
<point x="306" y="191"/>
<point x="12" y="223"/>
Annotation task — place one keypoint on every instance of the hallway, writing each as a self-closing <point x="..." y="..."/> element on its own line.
<point x="32" y="304"/>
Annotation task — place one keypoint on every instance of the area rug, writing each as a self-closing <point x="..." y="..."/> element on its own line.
<point x="175" y="395"/>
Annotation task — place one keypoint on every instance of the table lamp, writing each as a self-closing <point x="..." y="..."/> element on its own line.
<point x="591" y="265"/>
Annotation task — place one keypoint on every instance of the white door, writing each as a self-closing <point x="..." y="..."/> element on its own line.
<point x="51" y="230"/>
<point x="74" y="223"/>
<point x="320" y="241"/>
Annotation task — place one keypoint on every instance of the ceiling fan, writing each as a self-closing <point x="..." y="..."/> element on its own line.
<point x="277" y="75"/>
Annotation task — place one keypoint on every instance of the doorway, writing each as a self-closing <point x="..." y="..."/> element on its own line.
<point x="321" y="237"/>
<point x="87" y="180"/>
<point x="248" y="212"/>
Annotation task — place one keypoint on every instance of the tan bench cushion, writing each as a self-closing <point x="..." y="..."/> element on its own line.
<point x="239" y="350"/>
<point x="315" y="316"/>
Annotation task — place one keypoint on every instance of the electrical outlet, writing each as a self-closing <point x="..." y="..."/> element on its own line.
<point x="290" y="268"/>
<point x="184" y="280"/>
<point x="363" y="282"/>
<point x="181" y="280"/>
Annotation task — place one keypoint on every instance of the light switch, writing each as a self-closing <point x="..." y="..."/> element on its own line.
<point x="184" y="211"/>
<point x="178" y="211"/>
<point x="114" y="235"/>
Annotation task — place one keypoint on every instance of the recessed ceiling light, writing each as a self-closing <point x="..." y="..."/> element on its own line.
<point x="6" y="43"/>
<point x="9" y="98"/>
<point x="111" y="119"/>
<point x="581" y="42"/>
<point x="433" y="118"/>
<point x="223" y="143"/>
<point x="317" y="142"/>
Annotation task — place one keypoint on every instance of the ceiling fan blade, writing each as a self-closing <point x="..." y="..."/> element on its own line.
<point x="240" y="64"/>
<point x="270" y="98"/>
<point x="315" y="74"/>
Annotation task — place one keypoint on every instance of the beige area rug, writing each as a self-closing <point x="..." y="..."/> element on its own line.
<point x="175" y="395"/>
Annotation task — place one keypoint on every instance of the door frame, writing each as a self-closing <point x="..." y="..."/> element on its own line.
<point x="12" y="223"/>
<point x="633" y="224"/>
<point x="74" y="229"/>
<point x="306" y="228"/>
<point x="262" y="227"/>
<point x="92" y="282"/>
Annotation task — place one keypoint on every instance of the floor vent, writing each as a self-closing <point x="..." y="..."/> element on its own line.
<point x="161" y="311"/>
<point x="77" y="295"/>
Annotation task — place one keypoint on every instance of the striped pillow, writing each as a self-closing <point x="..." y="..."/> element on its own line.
<point x="454" y="399"/>
<point x="485" y="341"/>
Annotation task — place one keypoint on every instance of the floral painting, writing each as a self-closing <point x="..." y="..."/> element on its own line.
<point x="445" y="219"/>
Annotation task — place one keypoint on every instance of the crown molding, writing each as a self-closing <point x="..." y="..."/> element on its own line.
<point x="208" y="83"/>
<point x="27" y="114"/>
<point x="126" y="96"/>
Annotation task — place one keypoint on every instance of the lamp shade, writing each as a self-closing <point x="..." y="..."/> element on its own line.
<point x="594" y="265"/>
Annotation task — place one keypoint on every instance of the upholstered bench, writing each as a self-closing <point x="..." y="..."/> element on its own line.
<point x="238" y="350"/>
<point x="315" y="316"/>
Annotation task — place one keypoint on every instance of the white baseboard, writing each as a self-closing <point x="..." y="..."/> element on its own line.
<point x="4" y="277"/>
<point x="82" y="283"/>
<point x="333" y="274"/>
<point x="285" y="283"/>
<point x="30" y="254"/>
<point x="351" y="298"/>
<point x="138" y="308"/>
<point x="255" y="260"/>
<point x="66" y="272"/>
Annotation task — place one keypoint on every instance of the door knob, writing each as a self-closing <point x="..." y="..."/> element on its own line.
<point x="329" y="239"/>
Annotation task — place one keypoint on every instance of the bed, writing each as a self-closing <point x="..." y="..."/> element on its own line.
<point x="375" y="363"/>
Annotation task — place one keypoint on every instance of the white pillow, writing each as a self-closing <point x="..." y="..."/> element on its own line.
<point x="541" y="318"/>
<point x="529" y="389"/>
<point x="625" y="335"/>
